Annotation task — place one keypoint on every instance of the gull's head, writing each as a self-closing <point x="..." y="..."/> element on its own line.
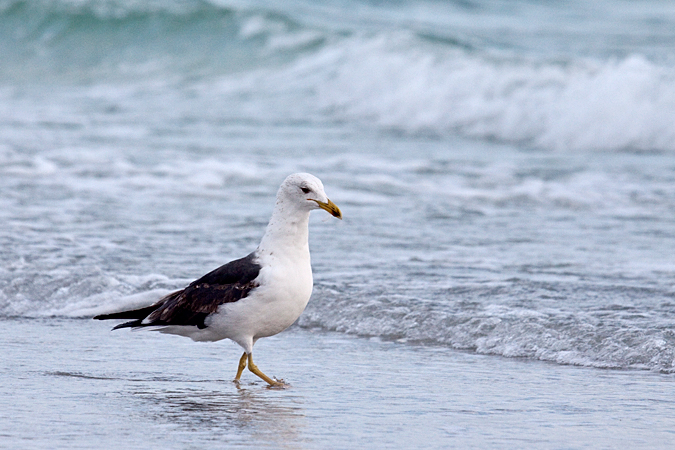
<point x="306" y="191"/>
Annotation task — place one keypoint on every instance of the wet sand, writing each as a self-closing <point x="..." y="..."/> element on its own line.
<point x="74" y="384"/>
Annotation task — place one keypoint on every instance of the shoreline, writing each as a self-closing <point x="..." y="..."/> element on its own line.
<point x="134" y="389"/>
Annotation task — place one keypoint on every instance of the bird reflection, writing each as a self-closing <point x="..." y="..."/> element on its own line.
<point x="250" y="414"/>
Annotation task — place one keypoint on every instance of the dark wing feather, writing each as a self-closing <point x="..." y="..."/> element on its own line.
<point x="190" y="306"/>
<point x="130" y="314"/>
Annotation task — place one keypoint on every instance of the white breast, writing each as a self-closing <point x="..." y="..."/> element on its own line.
<point x="283" y="293"/>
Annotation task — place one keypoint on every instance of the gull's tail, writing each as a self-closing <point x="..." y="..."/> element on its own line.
<point x="136" y="314"/>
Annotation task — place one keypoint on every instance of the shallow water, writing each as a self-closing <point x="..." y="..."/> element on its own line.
<point x="74" y="383"/>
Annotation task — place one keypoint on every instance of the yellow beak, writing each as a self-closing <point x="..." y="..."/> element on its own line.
<point x="330" y="207"/>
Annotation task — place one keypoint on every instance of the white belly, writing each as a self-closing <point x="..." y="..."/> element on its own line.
<point x="269" y="309"/>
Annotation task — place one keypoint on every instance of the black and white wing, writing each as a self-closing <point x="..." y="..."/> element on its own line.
<point x="192" y="305"/>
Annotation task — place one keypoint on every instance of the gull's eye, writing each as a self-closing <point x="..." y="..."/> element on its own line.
<point x="305" y="190"/>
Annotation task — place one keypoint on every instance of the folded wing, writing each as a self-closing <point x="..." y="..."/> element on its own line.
<point x="192" y="305"/>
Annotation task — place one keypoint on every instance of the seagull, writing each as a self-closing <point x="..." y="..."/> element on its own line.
<point x="256" y="296"/>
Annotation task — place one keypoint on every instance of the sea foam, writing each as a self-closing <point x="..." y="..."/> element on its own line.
<point x="397" y="83"/>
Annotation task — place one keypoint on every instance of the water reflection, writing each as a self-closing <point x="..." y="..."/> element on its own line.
<point x="250" y="415"/>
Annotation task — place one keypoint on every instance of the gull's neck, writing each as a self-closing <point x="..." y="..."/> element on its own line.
<point x="287" y="232"/>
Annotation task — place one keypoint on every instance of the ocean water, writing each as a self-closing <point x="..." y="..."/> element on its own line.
<point x="506" y="169"/>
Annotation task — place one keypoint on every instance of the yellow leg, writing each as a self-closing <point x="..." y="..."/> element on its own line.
<point x="253" y="368"/>
<point x="242" y="366"/>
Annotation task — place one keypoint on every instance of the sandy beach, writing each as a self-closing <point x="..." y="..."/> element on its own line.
<point x="98" y="389"/>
